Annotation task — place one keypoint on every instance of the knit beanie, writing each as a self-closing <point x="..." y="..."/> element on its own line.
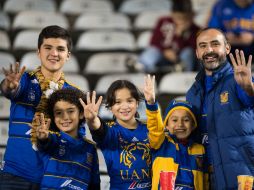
<point x="179" y="104"/>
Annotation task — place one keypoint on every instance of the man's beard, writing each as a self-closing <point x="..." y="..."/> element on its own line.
<point x="213" y="65"/>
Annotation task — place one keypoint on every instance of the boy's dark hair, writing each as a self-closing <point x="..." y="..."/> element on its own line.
<point x="70" y="95"/>
<point x="183" y="6"/>
<point x="120" y="84"/>
<point x="55" y="31"/>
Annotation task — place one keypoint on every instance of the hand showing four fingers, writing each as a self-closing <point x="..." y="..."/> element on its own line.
<point x="242" y="71"/>
<point x="91" y="107"/>
<point x="13" y="75"/>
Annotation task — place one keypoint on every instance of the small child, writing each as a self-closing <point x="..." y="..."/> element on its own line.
<point x="175" y="151"/>
<point x="123" y="141"/>
<point x="71" y="161"/>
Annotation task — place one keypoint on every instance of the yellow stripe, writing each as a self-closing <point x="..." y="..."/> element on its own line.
<point x="67" y="161"/>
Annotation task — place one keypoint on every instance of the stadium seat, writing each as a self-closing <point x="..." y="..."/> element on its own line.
<point x="147" y="20"/>
<point x="26" y="40"/>
<point x="173" y="85"/>
<point x="78" y="80"/>
<point x="144" y="38"/>
<point x="102" y="21"/>
<point x="5" y="22"/>
<point x="4" y="107"/>
<point x="6" y="59"/>
<point x="38" y="20"/>
<point x="15" y="6"/>
<point x="103" y="63"/>
<point x="5" y="41"/>
<point x="134" y="7"/>
<point x="105" y="81"/>
<point x="78" y="7"/>
<point x="4" y="127"/>
<point x="96" y="40"/>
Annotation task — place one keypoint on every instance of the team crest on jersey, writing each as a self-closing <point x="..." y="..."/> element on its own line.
<point x="224" y="97"/>
<point x="31" y="95"/>
<point x="127" y="156"/>
<point x="61" y="150"/>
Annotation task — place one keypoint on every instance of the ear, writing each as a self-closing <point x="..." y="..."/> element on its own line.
<point x="197" y="54"/>
<point x="38" y="53"/>
<point x="228" y="48"/>
<point x="68" y="55"/>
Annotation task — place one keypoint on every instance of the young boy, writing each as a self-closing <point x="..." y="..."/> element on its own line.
<point x="71" y="160"/>
<point x="175" y="151"/>
<point x="28" y="92"/>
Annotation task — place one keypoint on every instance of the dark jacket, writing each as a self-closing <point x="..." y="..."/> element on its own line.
<point x="230" y="127"/>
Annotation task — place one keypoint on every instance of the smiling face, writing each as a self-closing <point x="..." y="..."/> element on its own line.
<point x="212" y="49"/>
<point x="53" y="54"/>
<point x="125" y="106"/>
<point x="180" y="124"/>
<point x="67" y="117"/>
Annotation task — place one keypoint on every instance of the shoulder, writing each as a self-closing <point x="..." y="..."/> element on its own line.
<point x="197" y="148"/>
<point x="69" y="84"/>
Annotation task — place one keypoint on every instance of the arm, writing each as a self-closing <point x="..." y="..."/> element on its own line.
<point x="154" y="121"/>
<point x="10" y="84"/>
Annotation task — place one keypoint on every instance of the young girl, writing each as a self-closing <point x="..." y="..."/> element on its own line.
<point x="71" y="161"/>
<point x="124" y="142"/>
<point x="175" y="151"/>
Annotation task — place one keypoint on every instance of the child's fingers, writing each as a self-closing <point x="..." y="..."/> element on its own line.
<point x="82" y="102"/>
<point x="48" y="124"/>
<point x="98" y="103"/>
<point x="88" y="101"/>
<point x="94" y="97"/>
<point x="42" y="120"/>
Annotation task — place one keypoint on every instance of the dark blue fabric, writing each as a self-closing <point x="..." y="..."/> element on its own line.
<point x="230" y="126"/>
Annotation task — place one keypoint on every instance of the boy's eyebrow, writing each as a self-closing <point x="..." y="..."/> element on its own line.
<point x="59" y="109"/>
<point x="48" y="45"/>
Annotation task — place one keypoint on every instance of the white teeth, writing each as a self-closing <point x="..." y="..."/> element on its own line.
<point x="65" y="124"/>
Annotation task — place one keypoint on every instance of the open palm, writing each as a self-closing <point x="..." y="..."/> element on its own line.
<point x="242" y="71"/>
<point x="91" y="107"/>
<point x="13" y="75"/>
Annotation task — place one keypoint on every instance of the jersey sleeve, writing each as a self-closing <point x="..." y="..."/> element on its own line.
<point x="155" y="126"/>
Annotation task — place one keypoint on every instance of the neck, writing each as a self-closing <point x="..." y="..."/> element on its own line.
<point x="131" y="124"/>
<point x="55" y="76"/>
<point x="183" y="141"/>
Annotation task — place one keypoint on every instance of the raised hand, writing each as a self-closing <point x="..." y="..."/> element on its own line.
<point x="149" y="89"/>
<point x="242" y="71"/>
<point x="42" y="130"/>
<point x="13" y="75"/>
<point x="91" y="109"/>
